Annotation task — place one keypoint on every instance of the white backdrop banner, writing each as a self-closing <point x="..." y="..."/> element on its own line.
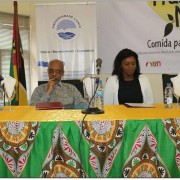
<point x="152" y="29"/>
<point x="66" y="32"/>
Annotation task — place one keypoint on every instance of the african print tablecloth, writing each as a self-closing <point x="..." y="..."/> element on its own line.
<point x="121" y="148"/>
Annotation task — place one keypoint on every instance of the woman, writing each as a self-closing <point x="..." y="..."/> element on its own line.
<point x="127" y="85"/>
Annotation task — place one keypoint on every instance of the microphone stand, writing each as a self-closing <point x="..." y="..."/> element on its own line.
<point x="92" y="109"/>
<point x="1" y="78"/>
<point x="4" y="93"/>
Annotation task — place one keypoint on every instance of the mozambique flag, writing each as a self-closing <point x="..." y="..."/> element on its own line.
<point x="17" y="70"/>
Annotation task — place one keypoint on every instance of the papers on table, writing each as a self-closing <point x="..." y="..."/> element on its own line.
<point x="139" y="105"/>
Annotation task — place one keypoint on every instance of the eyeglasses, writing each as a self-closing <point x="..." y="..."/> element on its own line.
<point x="57" y="71"/>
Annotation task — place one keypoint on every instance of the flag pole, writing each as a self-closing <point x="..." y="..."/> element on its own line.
<point x="17" y="69"/>
<point x="17" y="45"/>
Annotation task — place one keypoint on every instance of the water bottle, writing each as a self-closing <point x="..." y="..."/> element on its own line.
<point x="100" y="96"/>
<point x="168" y="96"/>
<point x="1" y="97"/>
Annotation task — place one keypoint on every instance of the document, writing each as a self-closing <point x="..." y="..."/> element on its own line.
<point x="139" y="105"/>
<point x="49" y="106"/>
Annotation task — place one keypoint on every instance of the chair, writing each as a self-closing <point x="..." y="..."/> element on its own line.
<point x="76" y="82"/>
<point x="166" y="78"/>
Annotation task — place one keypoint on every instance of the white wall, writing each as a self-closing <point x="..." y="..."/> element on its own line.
<point x="28" y="8"/>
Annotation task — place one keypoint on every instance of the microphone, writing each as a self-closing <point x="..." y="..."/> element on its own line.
<point x="92" y="109"/>
<point x="98" y="65"/>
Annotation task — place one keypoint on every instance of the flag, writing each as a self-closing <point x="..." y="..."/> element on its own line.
<point x="17" y="70"/>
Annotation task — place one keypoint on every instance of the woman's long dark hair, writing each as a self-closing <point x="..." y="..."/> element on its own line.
<point x="125" y="53"/>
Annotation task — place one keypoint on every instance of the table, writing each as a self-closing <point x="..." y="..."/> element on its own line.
<point x="123" y="142"/>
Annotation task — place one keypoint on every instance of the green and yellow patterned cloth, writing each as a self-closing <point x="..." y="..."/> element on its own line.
<point x="123" y="142"/>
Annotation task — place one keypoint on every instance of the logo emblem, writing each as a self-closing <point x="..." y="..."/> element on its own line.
<point x="66" y="27"/>
<point x="153" y="63"/>
<point x="169" y="11"/>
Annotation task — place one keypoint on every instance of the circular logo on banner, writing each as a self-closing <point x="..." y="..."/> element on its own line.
<point x="66" y="27"/>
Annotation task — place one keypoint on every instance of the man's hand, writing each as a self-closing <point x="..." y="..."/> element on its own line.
<point x="51" y="85"/>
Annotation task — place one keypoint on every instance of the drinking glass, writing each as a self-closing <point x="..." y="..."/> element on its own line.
<point x="10" y="98"/>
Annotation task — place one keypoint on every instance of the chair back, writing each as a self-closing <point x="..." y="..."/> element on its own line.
<point x="76" y="82"/>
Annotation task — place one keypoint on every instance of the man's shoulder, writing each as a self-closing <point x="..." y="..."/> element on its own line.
<point x="41" y="86"/>
<point x="68" y="85"/>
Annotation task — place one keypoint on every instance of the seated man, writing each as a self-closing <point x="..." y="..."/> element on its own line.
<point x="56" y="91"/>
